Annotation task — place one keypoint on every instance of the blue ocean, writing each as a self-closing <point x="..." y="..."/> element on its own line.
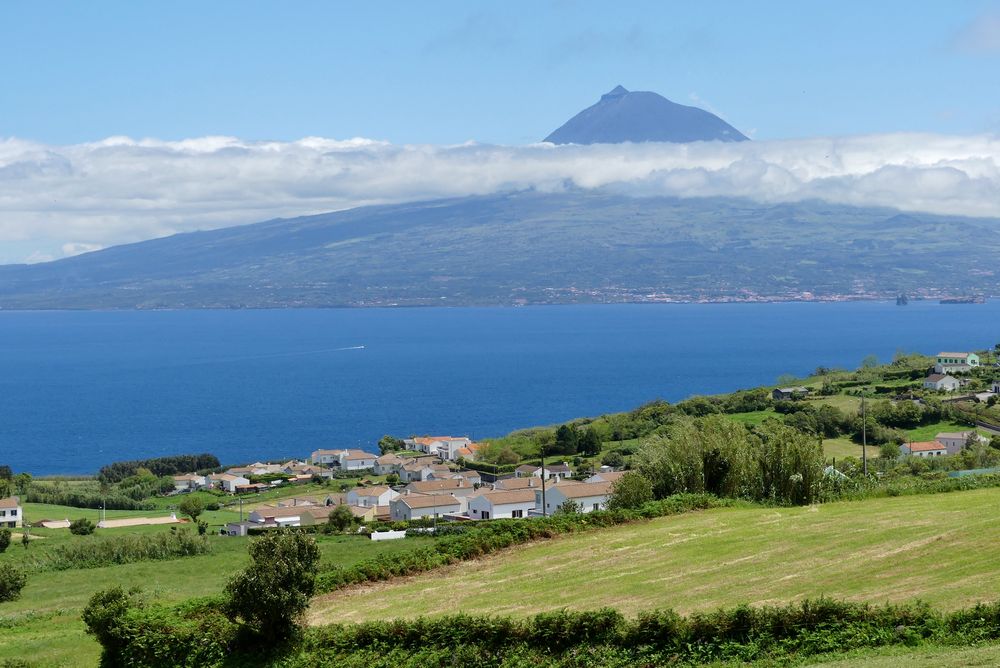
<point x="81" y="389"/>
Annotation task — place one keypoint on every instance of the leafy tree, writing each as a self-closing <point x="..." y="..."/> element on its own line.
<point x="4" y="540"/>
<point x="888" y="451"/>
<point x="22" y="482"/>
<point x="508" y="456"/>
<point x="390" y="444"/>
<point x="81" y="527"/>
<point x="273" y="592"/>
<point x="589" y="443"/>
<point x="340" y="518"/>
<point x="392" y="479"/>
<point x="567" y="440"/>
<point x="869" y="362"/>
<point x="12" y="581"/>
<point x="568" y="507"/>
<point x="613" y="458"/>
<point x="632" y="490"/>
<point x="191" y="506"/>
<point x="5" y="472"/>
<point x="103" y="615"/>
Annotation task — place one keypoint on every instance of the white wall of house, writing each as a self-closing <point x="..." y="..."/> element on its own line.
<point x="481" y="508"/>
<point x="11" y="517"/>
<point x="447" y="505"/>
<point x="555" y="498"/>
<point x="358" y="464"/>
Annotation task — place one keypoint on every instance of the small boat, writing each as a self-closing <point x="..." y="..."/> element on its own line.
<point x="902" y="300"/>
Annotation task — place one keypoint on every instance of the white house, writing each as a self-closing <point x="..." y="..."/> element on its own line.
<point x="11" y="514"/>
<point x="228" y="481"/>
<point x="940" y="381"/>
<point x="388" y="463"/>
<point x="923" y="449"/>
<point x="418" y="469"/>
<point x="589" y="496"/>
<point x="955" y="362"/>
<point x="189" y="482"/>
<point x="556" y="471"/>
<point x="281" y="517"/>
<point x="502" y="504"/>
<point x="445" y="447"/>
<point x="357" y="460"/>
<point x="371" y="497"/>
<point x="996" y="387"/>
<point x="954" y="442"/>
<point x="415" y="506"/>
<point x="348" y="459"/>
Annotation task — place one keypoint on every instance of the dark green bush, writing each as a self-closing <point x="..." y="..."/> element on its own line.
<point x="12" y="581"/>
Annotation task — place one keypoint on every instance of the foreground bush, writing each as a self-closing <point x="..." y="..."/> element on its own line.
<point x="273" y="592"/>
<point x="125" y="549"/>
<point x="12" y="581"/>
<point x="200" y="634"/>
<point x="81" y="527"/>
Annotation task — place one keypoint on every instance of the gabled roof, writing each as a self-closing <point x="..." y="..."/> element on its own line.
<point x="579" y="490"/>
<point x="519" y="483"/>
<point x="285" y="511"/>
<point x="610" y="476"/>
<point x="501" y="497"/>
<point x="378" y="490"/>
<point x="424" y="486"/>
<point x="10" y="502"/>
<point x="428" y="500"/>
<point x="360" y="454"/>
<point x="953" y="434"/>
<point x="925" y="446"/>
<point x="953" y="354"/>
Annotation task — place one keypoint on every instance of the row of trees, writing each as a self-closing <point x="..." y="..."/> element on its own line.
<point x="770" y="462"/>
<point x="158" y="466"/>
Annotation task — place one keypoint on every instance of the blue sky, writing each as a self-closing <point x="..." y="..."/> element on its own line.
<point x="507" y="73"/>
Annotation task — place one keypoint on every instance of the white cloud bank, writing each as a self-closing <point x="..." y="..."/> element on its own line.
<point x="62" y="200"/>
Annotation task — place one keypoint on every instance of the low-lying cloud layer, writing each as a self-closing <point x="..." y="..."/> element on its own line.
<point x="63" y="200"/>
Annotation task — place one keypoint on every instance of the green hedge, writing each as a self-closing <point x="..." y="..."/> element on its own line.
<point x="199" y="634"/>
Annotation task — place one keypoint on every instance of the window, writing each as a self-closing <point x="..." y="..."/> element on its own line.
<point x="517" y="513"/>
<point x="485" y="514"/>
<point x="597" y="506"/>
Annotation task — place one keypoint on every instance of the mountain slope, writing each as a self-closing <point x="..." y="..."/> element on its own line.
<point x="528" y="247"/>
<point x="641" y="116"/>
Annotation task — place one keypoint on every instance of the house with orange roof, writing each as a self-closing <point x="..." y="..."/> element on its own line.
<point x="924" y="449"/>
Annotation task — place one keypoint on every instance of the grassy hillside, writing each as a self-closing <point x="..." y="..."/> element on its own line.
<point x="934" y="547"/>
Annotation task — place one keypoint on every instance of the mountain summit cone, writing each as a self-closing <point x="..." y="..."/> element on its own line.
<point x="642" y="116"/>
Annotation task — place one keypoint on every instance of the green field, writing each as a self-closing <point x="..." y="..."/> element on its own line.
<point x="845" y="447"/>
<point x="44" y="625"/>
<point x="935" y="547"/>
<point x="929" y="431"/>
<point x="903" y="657"/>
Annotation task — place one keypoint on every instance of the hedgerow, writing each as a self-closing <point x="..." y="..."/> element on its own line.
<point x="121" y="549"/>
<point x="199" y="633"/>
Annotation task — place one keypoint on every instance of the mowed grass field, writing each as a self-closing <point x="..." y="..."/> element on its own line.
<point x="44" y="625"/>
<point x="940" y="548"/>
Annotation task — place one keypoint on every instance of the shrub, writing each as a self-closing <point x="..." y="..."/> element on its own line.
<point x="81" y="527"/>
<point x="192" y="506"/>
<point x="632" y="490"/>
<point x="339" y="519"/>
<point x="12" y="581"/>
<point x="273" y="592"/>
<point x="4" y="540"/>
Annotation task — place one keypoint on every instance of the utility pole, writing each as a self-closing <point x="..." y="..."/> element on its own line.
<point x="864" y="432"/>
<point x="544" y="507"/>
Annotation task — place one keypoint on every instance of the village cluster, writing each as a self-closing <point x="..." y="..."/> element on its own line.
<point x="431" y="485"/>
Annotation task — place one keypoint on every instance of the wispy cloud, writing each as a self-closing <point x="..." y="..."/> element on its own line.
<point x="981" y="35"/>
<point x="62" y="200"/>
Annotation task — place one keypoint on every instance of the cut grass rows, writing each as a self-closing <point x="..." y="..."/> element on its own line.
<point x="935" y="547"/>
